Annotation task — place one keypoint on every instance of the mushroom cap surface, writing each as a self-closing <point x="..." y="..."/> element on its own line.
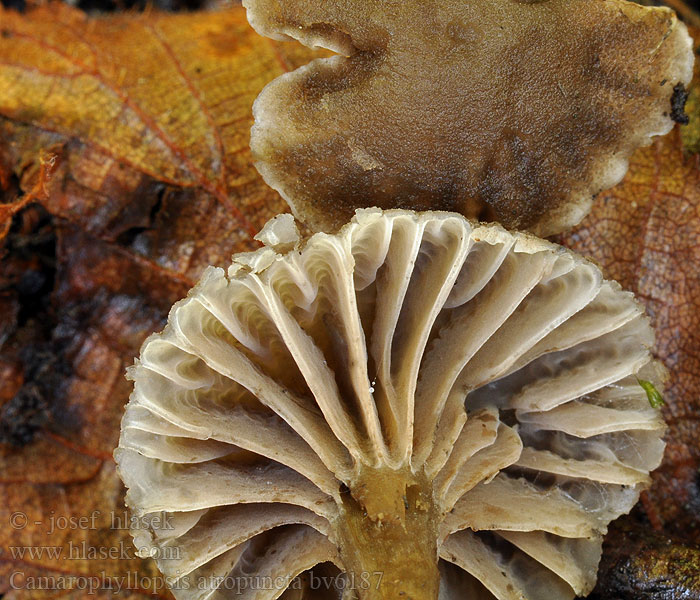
<point x="495" y="369"/>
<point x="513" y="111"/>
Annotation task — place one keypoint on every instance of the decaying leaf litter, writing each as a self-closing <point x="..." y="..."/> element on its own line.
<point x="131" y="221"/>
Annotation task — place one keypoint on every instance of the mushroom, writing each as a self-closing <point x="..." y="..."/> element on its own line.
<point x="416" y="405"/>
<point x="516" y="111"/>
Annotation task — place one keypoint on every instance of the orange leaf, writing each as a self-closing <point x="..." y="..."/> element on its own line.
<point x="168" y="95"/>
<point x="646" y="234"/>
<point x="148" y="117"/>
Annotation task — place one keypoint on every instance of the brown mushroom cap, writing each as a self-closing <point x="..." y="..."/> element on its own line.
<point x="507" y="110"/>
<point x="418" y="395"/>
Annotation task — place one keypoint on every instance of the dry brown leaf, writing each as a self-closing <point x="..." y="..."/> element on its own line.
<point x="646" y="234"/>
<point x="148" y="119"/>
<point x="130" y="220"/>
<point x="165" y="96"/>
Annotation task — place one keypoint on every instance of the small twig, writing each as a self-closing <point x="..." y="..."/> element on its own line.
<point x="48" y="161"/>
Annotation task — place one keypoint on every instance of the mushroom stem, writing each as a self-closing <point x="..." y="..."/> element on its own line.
<point x="390" y="556"/>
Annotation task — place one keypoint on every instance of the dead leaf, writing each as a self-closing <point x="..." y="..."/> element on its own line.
<point x="148" y="117"/>
<point x="646" y="234"/>
<point x="167" y="95"/>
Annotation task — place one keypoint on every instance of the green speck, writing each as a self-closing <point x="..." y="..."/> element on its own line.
<point x="653" y="395"/>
